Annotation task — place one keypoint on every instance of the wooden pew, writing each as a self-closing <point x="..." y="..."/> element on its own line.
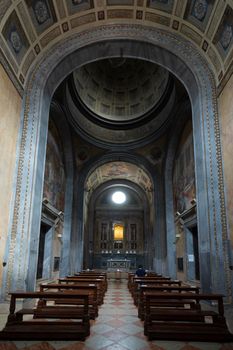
<point x="145" y="279"/>
<point x="86" y="281"/>
<point x="71" y="288"/>
<point x="139" y="282"/>
<point x="186" y="324"/>
<point x="168" y="289"/>
<point x="100" y="281"/>
<point x="63" y="328"/>
<point x="132" y="276"/>
<point x="130" y="279"/>
<point x="91" y="274"/>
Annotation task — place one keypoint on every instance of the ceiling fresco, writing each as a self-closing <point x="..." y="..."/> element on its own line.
<point x="28" y="28"/>
<point x="119" y="171"/>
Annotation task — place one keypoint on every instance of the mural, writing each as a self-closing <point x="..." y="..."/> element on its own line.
<point x="184" y="174"/>
<point x="119" y="170"/>
<point x="54" y="178"/>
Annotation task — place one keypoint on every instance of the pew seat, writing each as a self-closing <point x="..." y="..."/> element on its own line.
<point x="76" y="289"/>
<point x="186" y="324"/>
<point x="72" y="325"/>
<point x="165" y="303"/>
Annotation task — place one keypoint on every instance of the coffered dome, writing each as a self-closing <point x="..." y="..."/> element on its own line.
<point x="120" y="89"/>
<point x="120" y="101"/>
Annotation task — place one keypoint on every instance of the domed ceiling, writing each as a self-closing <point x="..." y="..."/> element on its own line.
<point x="120" y="89"/>
<point x="120" y="101"/>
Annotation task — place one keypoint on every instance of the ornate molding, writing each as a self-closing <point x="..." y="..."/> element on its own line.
<point x="45" y="77"/>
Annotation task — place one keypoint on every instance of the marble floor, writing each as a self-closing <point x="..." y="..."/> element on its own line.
<point x="116" y="328"/>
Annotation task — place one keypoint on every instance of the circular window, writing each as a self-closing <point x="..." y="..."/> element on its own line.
<point x="118" y="197"/>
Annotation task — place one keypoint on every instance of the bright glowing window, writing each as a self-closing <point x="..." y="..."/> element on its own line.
<point x="118" y="197"/>
<point x="118" y="232"/>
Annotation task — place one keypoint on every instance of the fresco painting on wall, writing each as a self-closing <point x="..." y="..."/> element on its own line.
<point x="118" y="169"/>
<point x="184" y="176"/>
<point x="54" y="178"/>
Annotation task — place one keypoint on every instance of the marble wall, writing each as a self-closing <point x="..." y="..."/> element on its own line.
<point x="10" y="105"/>
<point x="226" y="112"/>
<point x="181" y="253"/>
<point x="183" y="175"/>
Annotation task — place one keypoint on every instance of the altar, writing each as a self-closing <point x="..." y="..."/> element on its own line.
<point x="118" y="264"/>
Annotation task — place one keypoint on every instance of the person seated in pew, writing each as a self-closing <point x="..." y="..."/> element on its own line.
<point x="140" y="271"/>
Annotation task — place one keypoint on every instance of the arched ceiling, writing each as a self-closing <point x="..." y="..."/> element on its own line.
<point x="120" y="90"/>
<point x="133" y="200"/>
<point x="29" y="28"/>
<point x="119" y="171"/>
<point x="119" y="101"/>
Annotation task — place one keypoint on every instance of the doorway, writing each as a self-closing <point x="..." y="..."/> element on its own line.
<point x="193" y="268"/>
<point x="44" y="228"/>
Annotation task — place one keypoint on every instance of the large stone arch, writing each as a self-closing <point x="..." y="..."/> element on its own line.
<point x="184" y="61"/>
<point x="78" y="239"/>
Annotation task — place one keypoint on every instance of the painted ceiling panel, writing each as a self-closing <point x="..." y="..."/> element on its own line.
<point x="15" y="37"/>
<point x="119" y="170"/>
<point x="208" y="24"/>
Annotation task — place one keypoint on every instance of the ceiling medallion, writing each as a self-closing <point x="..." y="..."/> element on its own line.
<point x="226" y="36"/>
<point x="41" y="12"/>
<point x="200" y="9"/>
<point x="15" y="41"/>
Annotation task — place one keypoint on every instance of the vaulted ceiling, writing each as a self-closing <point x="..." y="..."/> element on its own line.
<point x="117" y="176"/>
<point x="119" y="171"/>
<point x="29" y="28"/>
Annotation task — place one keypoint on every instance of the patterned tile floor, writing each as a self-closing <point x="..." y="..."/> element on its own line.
<point x="116" y="328"/>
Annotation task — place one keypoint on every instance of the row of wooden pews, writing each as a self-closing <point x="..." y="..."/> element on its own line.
<point x="174" y="311"/>
<point x="59" y="311"/>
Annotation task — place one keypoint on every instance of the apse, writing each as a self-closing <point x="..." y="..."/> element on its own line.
<point x="118" y="235"/>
